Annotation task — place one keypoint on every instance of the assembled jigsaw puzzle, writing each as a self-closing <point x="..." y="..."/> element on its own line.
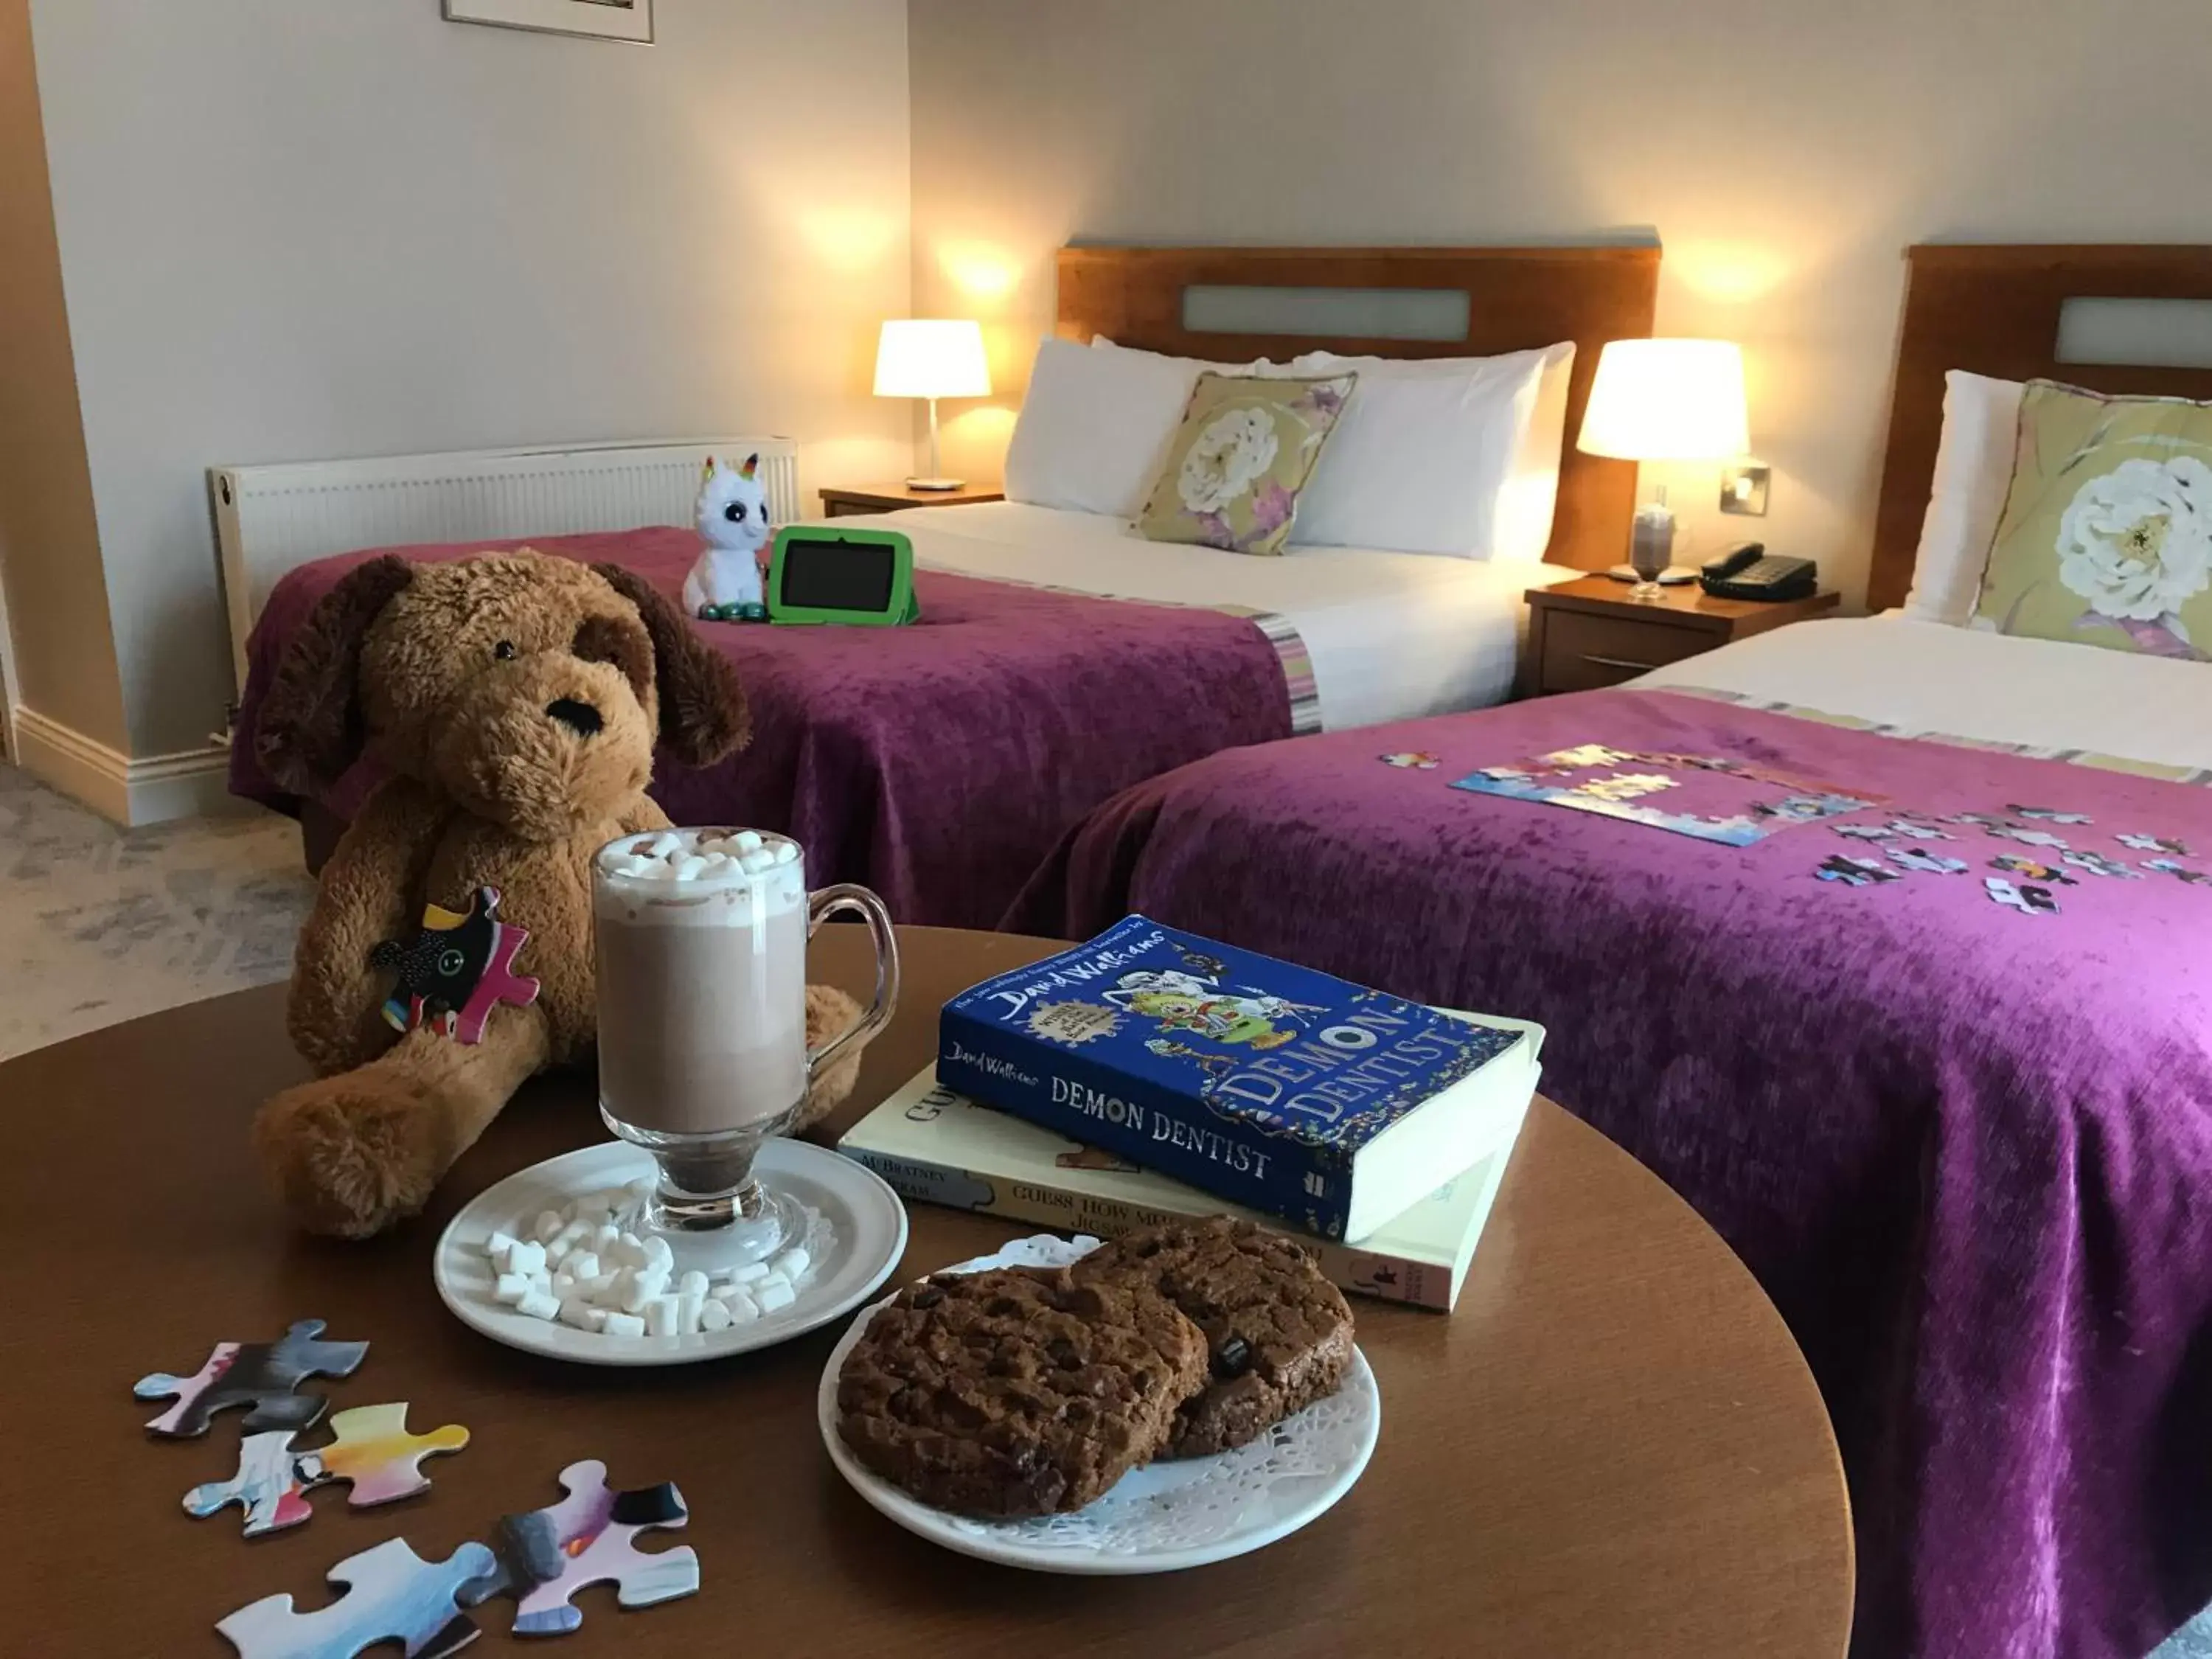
<point x="546" y="1556"/>
<point x="370" y="1448"/>
<point x="262" y="1375"/>
<point x="391" y="1595"/>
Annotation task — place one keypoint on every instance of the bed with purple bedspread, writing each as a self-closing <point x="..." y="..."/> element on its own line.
<point x="937" y="764"/>
<point x="1937" y="1064"/>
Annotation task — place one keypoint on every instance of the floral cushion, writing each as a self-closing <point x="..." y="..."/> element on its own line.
<point x="2106" y="537"/>
<point x="1245" y="449"/>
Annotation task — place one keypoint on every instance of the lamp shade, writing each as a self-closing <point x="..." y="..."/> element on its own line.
<point x="931" y="358"/>
<point x="1667" y="400"/>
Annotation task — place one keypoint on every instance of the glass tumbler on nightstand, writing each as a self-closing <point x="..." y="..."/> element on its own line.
<point x="1651" y="550"/>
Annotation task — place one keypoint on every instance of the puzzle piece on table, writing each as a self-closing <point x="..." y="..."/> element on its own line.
<point x="546" y="1556"/>
<point x="1856" y="872"/>
<point x="1918" y="831"/>
<point x="391" y="1594"/>
<point x="1927" y="863"/>
<point x="2098" y="865"/>
<point x="2026" y="837"/>
<point x="2168" y="867"/>
<point x="1864" y="831"/>
<point x="2013" y="865"/>
<point x="2155" y="844"/>
<point x="262" y="1375"/>
<point x="370" y="1448"/>
<point x="2028" y="901"/>
<point x="2049" y="814"/>
<point x="456" y="969"/>
<point x="1417" y="759"/>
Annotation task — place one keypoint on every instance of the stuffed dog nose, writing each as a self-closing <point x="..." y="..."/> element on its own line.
<point x="579" y="717"/>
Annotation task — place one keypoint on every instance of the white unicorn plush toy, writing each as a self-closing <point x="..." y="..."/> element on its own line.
<point x="725" y="584"/>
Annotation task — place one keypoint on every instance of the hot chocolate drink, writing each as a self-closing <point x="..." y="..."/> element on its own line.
<point x="702" y="943"/>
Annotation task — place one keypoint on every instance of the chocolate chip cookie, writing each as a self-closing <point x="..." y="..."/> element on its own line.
<point x="1015" y="1393"/>
<point x="1277" y="1333"/>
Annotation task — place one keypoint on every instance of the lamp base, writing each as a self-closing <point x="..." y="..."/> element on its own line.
<point x="938" y="484"/>
<point x="1674" y="575"/>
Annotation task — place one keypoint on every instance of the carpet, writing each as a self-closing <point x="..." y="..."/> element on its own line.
<point x="100" y="924"/>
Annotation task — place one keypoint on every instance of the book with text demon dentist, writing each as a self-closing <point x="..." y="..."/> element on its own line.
<point x="1278" y="1088"/>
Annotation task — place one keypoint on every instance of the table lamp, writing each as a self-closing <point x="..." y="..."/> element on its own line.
<point x="931" y="358"/>
<point x="1664" y="400"/>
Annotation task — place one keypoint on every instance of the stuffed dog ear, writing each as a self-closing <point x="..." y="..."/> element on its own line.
<point x="310" y="727"/>
<point x="703" y="714"/>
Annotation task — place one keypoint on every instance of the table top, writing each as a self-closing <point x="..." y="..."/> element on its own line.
<point x="1612" y="1446"/>
<point x="904" y="494"/>
<point x="1685" y="604"/>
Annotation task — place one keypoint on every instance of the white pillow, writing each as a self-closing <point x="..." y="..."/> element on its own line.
<point x="1457" y="456"/>
<point x="1973" y="471"/>
<point x="1096" y="426"/>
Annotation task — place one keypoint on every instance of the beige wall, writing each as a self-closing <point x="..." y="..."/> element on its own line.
<point x="64" y="657"/>
<point x="295" y="229"/>
<point x="1786" y="153"/>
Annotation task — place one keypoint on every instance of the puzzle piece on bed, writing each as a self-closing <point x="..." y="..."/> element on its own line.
<point x="546" y="1556"/>
<point x="262" y="1375"/>
<point x="391" y="1594"/>
<point x="370" y="1448"/>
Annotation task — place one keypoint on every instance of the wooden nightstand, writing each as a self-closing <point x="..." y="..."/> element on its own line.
<point x="889" y="498"/>
<point x="1587" y="634"/>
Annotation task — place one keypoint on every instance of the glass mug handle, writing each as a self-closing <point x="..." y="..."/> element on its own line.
<point x="820" y="907"/>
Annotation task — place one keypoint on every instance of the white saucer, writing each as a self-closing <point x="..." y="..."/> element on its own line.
<point x="1159" y="1519"/>
<point x="870" y="1237"/>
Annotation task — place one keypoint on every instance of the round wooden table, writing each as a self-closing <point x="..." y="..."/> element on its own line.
<point x="1612" y="1447"/>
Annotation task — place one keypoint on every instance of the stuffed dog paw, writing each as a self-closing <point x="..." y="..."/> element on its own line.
<point x="514" y="702"/>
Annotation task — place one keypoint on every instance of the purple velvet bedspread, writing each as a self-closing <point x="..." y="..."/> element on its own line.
<point x="936" y="763"/>
<point x="1966" y="1146"/>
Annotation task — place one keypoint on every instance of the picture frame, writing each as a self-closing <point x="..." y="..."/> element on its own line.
<point x="630" y="20"/>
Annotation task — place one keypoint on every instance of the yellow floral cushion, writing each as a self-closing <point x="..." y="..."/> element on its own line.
<point x="1246" y="448"/>
<point x="2106" y="535"/>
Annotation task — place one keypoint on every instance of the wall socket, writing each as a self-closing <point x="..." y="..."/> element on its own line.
<point x="1743" y="489"/>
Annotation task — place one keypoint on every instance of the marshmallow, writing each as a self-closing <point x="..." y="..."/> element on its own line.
<point x="743" y="1308"/>
<point x="787" y="852"/>
<point x="625" y="1251"/>
<point x="601" y="1289"/>
<point x="538" y="1305"/>
<point x="660" y="1316"/>
<point x="690" y="867"/>
<point x="581" y="1264"/>
<point x="634" y="865"/>
<point x="749" y="1273"/>
<point x="525" y="1258"/>
<point x="774" y="1293"/>
<point x="662" y="844"/>
<point x="499" y="1247"/>
<point x="792" y="1264"/>
<point x="647" y="1286"/>
<point x="689" y="1305"/>
<point x="622" y="1324"/>
<point x="550" y="1222"/>
<point x="564" y="1284"/>
<point x="748" y="841"/>
<point x="714" y="1316"/>
<point x="583" y="1315"/>
<point x="606" y="1237"/>
<point x="659" y="1255"/>
<point x="511" y="1289"/>
<point x="692" y="1284"/>
<point x="757" y="860"/>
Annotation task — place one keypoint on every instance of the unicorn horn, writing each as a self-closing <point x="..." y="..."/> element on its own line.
<point x="707" y="471"/>
<point x="746" y="471"/>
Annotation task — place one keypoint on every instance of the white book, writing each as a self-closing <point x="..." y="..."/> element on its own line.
<point x="940" y="1147"/>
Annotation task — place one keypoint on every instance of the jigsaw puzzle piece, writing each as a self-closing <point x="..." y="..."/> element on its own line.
<point x="546" y="1556"/>
<point x="268" y="1486"/>
<point x="391" y="1595"/>
<point x="262" y="1375"/>
<point x="371" y="1449"/>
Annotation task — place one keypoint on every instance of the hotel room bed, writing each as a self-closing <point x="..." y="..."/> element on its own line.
<point x="939" y="763"/>
<point x="1963" y="1135"/>
<point x="1061" y="656"/>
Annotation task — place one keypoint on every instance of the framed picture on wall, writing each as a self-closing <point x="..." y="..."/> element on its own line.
<point x="606" y="20"/>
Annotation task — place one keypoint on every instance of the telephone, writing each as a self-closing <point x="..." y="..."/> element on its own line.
<point x="1747" y="571"/>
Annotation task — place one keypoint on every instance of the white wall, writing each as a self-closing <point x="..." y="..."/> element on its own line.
<point x="1786" y="152"/>
<point x="303" y="228"/>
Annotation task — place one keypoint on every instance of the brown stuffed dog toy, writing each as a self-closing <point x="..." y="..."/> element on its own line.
<point x="514" y="701"/>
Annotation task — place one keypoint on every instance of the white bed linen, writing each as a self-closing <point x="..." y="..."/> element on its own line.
<point x="1392" y="635"/>
<point x="1928" y="677"/>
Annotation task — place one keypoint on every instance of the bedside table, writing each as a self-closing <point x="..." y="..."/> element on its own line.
<point x="889" y="498"/>
<point x="1587" y="634"/>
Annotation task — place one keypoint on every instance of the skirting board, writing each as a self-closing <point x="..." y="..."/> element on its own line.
<point x="152" y="790"/>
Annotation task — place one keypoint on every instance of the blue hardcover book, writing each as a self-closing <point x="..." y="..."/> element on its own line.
<point x="1331" y="1106"/>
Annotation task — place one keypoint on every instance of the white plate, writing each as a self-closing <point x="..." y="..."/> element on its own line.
<point x="870" y="1237"/>
<point x="1157" y="1519"/>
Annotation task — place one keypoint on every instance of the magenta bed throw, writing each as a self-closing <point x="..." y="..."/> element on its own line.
<point x="937" y="764"/>
<point x="1963" y="1138"/>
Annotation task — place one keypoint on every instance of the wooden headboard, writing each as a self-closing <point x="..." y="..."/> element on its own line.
<point x="1518" y="299"/>
<point x="1996" y="310"/>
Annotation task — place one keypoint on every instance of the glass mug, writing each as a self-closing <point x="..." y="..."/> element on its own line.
<point x="702" y="1025"/>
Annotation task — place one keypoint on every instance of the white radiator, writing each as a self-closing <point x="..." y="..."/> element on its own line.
<point x="268" y="519"/>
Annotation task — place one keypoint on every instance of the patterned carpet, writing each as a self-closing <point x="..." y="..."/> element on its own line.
<point x="99" y="925"/>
